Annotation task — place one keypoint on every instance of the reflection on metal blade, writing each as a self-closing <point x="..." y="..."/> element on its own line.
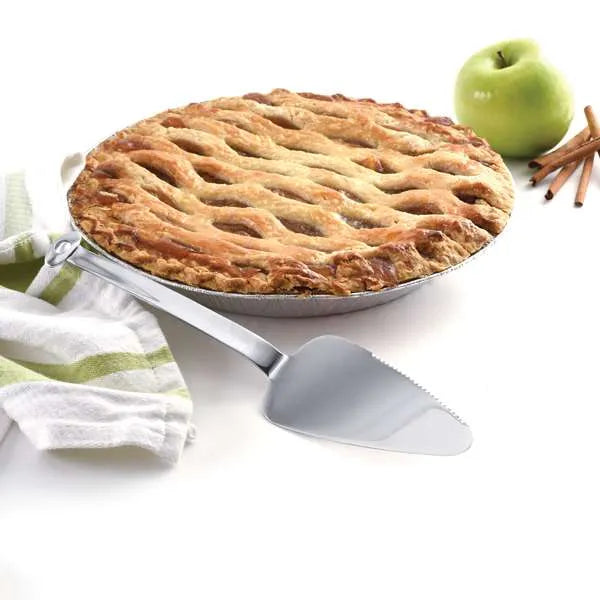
<point x="337" y="390"/>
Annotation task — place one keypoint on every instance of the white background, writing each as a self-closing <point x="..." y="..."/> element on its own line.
<point x="510" y="341"/>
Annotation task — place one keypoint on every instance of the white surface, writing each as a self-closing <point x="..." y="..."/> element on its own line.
<point x="509" y="342"/>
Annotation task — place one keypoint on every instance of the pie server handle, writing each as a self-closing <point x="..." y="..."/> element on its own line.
<point x="68" y="248"/>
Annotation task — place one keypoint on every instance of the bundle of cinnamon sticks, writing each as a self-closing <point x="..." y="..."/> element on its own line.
<point x="579" y="149"/>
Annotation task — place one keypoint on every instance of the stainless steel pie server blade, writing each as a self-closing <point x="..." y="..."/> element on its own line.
<point x="330" y="388"/>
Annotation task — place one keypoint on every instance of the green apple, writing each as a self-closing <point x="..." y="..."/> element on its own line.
<point x="514" y="99"/>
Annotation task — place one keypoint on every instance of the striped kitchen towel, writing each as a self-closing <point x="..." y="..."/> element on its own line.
<point x="82" y="363"/>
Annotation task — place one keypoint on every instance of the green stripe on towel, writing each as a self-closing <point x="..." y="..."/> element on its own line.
<point x="180" y="392"/>
<point x="24" y="250"/>
<point x="11" y="372"/>
<point x="61" y="285"/>
<point x="17" y="209"/>
<point x="99" y="365"/>
<point x="18" y="276"/>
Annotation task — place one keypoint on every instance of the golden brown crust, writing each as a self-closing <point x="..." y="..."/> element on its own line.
<point x="293" y="193"/>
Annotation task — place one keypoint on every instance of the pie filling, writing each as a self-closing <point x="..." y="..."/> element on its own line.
<point x="293" y="193"/>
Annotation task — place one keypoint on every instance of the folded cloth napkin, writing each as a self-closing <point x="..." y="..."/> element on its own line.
<point x="82" y="363"/>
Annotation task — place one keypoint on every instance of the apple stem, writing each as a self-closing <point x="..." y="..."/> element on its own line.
<point x="503" y="62"/>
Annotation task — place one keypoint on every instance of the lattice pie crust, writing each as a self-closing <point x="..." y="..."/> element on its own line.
<point x="293" y="193"/>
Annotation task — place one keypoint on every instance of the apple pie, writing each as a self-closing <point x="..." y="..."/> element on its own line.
<point x="293" y="194"/>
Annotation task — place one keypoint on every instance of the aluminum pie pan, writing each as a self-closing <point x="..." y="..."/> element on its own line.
<point x="287" y="305"/>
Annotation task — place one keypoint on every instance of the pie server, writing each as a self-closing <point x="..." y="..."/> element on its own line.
<point x="330" y="388"/>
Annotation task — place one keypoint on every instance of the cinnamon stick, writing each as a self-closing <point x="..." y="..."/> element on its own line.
<point x="580" y="152"/>
<point x="585" y="180"/>
<point x="592" y="122"/>
<point x="561" y="178"/>
<point x="573" y="143"/>
<point x="586" y="173"/>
